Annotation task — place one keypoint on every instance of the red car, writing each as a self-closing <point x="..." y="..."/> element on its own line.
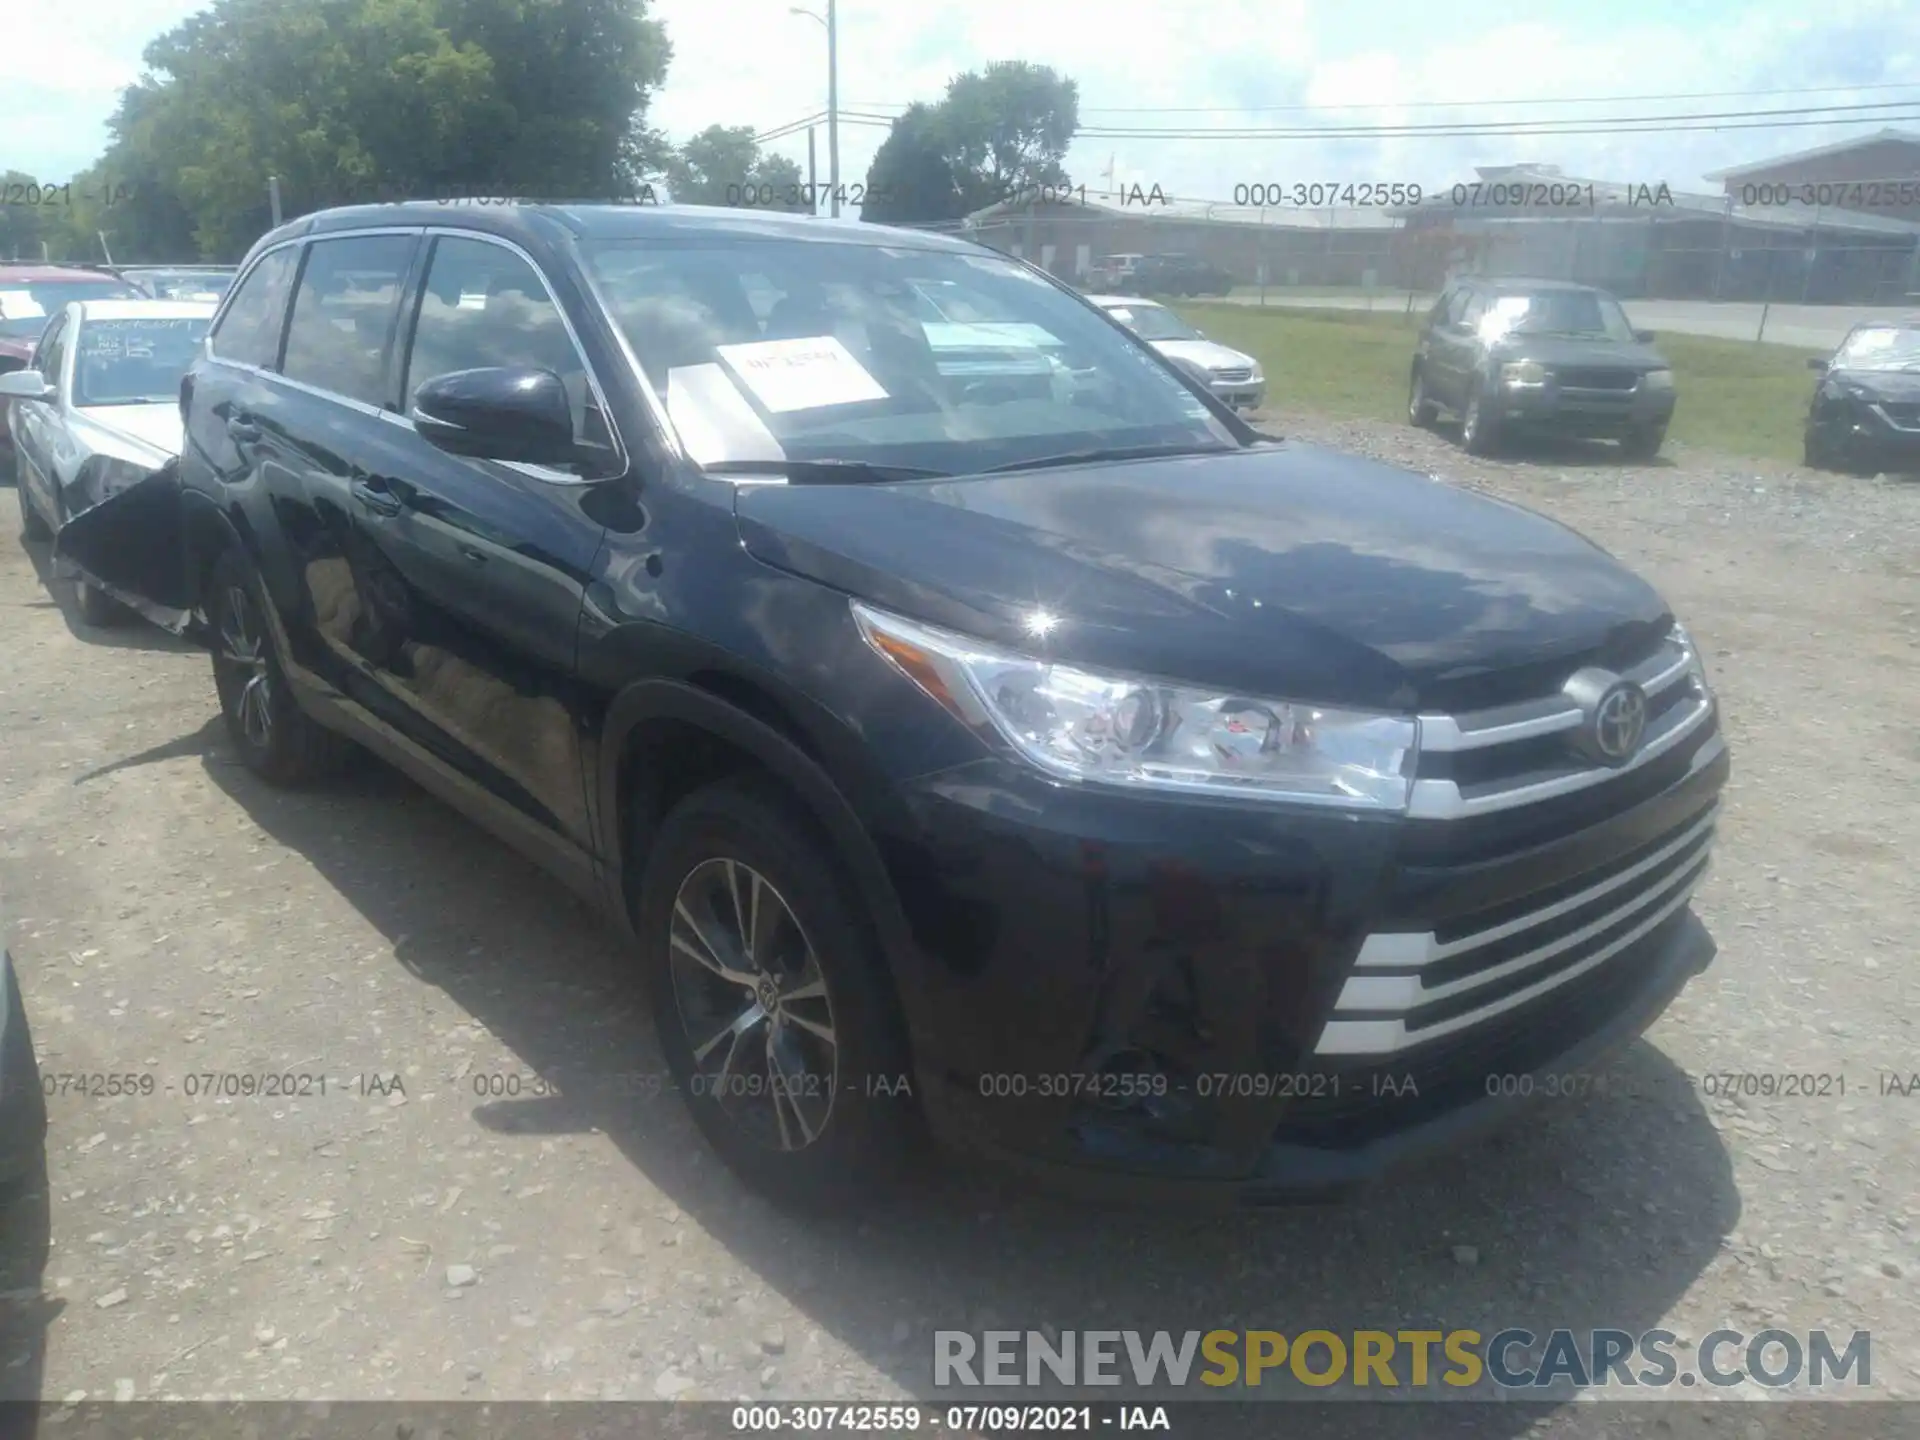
<point x="29" y="294"/>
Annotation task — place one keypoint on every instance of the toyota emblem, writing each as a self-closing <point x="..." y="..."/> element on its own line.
<point x="1619" y="720"/>
<point x="1613" y="716"/>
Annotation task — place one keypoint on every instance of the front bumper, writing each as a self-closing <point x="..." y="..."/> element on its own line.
<point x="1242" y="395"/>
<point x="1875" y="437"/>
<point x="1583" y="412"/>
<point x="1125" y="997"/>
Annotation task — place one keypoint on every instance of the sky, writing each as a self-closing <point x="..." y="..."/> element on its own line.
<point x="1303" y="64"/>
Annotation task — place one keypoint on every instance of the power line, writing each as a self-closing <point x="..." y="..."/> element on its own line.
<point x="1446" y="104"/>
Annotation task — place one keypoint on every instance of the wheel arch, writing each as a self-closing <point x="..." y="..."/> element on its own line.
<point x="717" y="724"/>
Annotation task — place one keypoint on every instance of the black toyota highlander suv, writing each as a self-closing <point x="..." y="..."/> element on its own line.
<point x="1080" y="775"/>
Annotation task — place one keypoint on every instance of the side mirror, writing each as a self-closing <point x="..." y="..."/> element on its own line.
<point x="1815" y="363"/>
<point x="26" y="385"/>
<point x="497" y="413"/>
<point x="1644" y="337"/>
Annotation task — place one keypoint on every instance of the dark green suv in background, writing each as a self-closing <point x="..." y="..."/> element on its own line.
<point x="1541" y="355"/>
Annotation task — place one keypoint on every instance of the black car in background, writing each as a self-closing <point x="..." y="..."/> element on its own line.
<point x="1544" y="356"/>
<point x="1865" y="413"/>
<point x="1157" y="806"/>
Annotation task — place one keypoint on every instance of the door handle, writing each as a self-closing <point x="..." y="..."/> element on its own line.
<point x="473" y="553"/>
<point x="374" y="495"/>
<point x="243" y="432"/>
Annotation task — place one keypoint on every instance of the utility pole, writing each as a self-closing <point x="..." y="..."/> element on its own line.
<point x="273" y="198"/>
<point x="833" y="105"/>
<point x="813" y="186"/>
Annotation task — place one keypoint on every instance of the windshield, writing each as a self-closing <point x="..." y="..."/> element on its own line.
<point x="1880" y="347"/>
<point x="770" y="349"/>
<point x="1559" y="312"/>
<point x="134" y="362"/>
<point x="1153" y="322"/>
<point x="24" y="308"/>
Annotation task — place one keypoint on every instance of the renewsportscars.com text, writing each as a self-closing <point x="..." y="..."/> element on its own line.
<point x="1434" y="1361"/>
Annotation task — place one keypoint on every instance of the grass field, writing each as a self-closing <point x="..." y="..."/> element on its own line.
<point x="1734" y="396"/>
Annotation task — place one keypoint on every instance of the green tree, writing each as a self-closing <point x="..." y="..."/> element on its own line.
<point x="911" y="178"/>
<point x="23" y="227"/>
<point x="997" y="132"/>
<point x="723" y="166"/>
<point x="367" y="100"/>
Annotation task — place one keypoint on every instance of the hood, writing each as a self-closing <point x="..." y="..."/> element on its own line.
<point x="149" y="434"/>
<point x="1207" y="354"/>
<point x="1286" y="571"/>
<point x="1899" y="385"/>
<point x="18" y="346"/>
<point x="1567" y="350"/>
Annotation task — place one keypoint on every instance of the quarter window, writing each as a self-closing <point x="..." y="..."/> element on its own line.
<point x="484" y="306"/>
<point x="1457" y="308"/>
<point x="250" y="330"/>
<point x="343" y="314"/>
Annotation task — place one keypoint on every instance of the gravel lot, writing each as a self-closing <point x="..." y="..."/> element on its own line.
<point x="171" y="916"/>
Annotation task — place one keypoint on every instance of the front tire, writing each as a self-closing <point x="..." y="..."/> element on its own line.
<point x="1643" y="443"/>
<point x="34" y="528"/>
<point x="1479" y="433"/>
<point x="1421" y="411"/>
<point x="276" y="739"/>
<point x="97" y="608"/>
<point x="772" y="1001"/>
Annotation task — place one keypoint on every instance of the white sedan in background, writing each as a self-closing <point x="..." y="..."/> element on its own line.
<point x="97" y="410"/>
<point x="1233" y="377"/>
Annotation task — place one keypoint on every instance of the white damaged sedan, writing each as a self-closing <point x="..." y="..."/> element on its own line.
<point x="98" y="410"/>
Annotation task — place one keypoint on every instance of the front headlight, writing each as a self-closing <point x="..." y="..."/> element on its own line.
<point x="1146" y="734"/>
<point x="1523" y="372"/>
<point x="1259" y="375"/>
<point x="1657" y="379"/>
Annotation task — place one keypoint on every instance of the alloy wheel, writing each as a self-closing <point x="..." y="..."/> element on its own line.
<point x="1417" y="402"/>
<point x="1470" y="422"/>
<point x="753" y="1004"/>
<point x="243" y="655"/>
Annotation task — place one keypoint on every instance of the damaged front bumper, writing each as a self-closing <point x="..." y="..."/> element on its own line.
<point x="132" y="544"/>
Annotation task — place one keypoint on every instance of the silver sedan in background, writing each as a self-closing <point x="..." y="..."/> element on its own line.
<point x="98" y="409"/>
<point x="1233" y="377"/>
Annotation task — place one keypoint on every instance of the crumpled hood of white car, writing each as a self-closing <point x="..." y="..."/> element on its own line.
<point x="144" y="434"/>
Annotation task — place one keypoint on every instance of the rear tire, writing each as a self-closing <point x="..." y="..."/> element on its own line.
<point x="276" y="739"/>
<point x="808" y="1000"/>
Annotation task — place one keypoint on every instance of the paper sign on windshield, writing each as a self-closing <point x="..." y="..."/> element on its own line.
<point x="19" y="305"/>
<point x="801" y="374"/>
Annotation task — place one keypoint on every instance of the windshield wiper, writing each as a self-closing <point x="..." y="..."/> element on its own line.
<point x="1115" y="452"/>
<point x="826" y="472"/>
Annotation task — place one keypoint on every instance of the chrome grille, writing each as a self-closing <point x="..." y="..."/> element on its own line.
<point x="1678" y="708"/>
<point x="1596" y="379"/>
<point x="1234" y="374"/>
<point x="1410" y="988"/>
<point x="1904" y="413"/>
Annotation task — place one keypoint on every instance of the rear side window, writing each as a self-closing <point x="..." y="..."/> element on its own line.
<point x="1457" y="307"/>
<point x="343" y="314"/>
<point x="482" y="305"/>
<point x="250" y="330"/>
